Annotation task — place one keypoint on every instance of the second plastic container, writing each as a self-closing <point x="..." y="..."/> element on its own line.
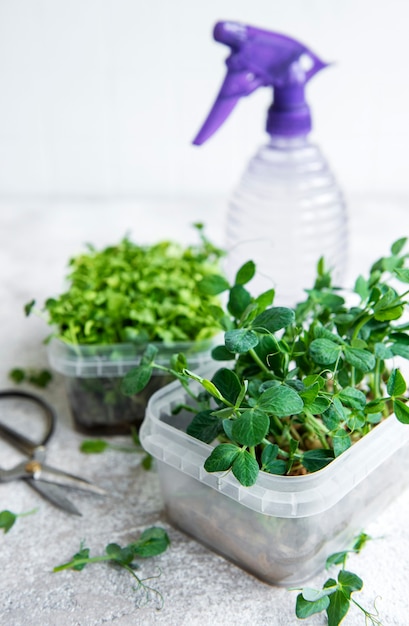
<point x="93" y="376"/>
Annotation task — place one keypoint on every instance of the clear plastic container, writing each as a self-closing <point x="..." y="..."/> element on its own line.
<point x="93" y="376"/>
<point x="286" y="213"/>
<point x="283" y="528"/>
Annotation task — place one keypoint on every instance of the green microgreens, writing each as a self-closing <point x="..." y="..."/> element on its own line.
<point x="8" y="518"/>
<point x="303" y="384"/>
<point x="132" y="293"/>
<point x="335" y="597"/>
<point x="152" y="542"/>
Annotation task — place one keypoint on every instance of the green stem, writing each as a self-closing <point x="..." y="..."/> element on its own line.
<point x="260" y="363"/>
<point x="377" y="379"/>
<point x="277" y="422"/>
<point x="317" y="428"/>
<point x="352" y="376"/>
<point x="281" y="452"/>
<point x="72" y="564"/>
<point x="30" y="512"/>
<point x="362" y="323"/>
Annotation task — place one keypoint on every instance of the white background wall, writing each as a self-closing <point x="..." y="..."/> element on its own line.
<point x="103" y="97"/>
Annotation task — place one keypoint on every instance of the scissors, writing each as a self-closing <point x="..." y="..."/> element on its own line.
<point x="48" y="481"/>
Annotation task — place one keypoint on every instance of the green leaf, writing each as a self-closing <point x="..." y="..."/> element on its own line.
<point x="82" y="555"/>
<point x="319" y="405"/>
<point x="361" y="288"/>
<point x="228" y="428"/>
<point x="136" y="379"/>
<point x="251" y="427"/>
<point x="269" y="460"/>
<point x="205" y="426"/>
<point x="383" y="352"/>
<point x="314" y="460"/>
<point x="221" y="353"/>
<point x="273" y="319"/>
<point x="265" y="299"/>
<point x="93" y="446"/>
<point x="222" y="457"/>
<point x="392" y="313"/>
<point x="240" y="340"/>
<point x="228" y="383"/>
<point x="309" y="394"/>
<point x="375" y="406"/>
<point x="402" y="275"/>
<point x="361" y="359"/>
<point x="153" y="541"/>
<point x="281" y="401"/>
<point x="269" y="453"/>
<point x="7" y="520"/>
<point x="398" y="245"/>
<point x="305" y="608"/>
<point x="245" y="468"/>
<point x="396" y="384"/>
<point x="211" y="388"/>
<point x="149" y="355"/>
<point x="239" y="300"/>
<point x="338" y="608"/>
<point x="324" y="351"/>
<point x="147" y="462"/>
<point x="341" y="441"/>
<point x="120" y="555"/>
<point x="245" y="273"/>
<point x="29" y="307"/>
<point x="352" y="397"/>
<point x="350" y="582"/>
<point x="399" y="348"/>
<point x="213" y="284"/>
<point x="337" y="558"/>
<point x="17" y="375"/>
<point x="361" y="541"/>
<point x="178" y="362"/>
<point x="401" y="411"/>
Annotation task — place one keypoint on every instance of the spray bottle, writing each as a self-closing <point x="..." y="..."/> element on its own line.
<point x="287" y="210"/>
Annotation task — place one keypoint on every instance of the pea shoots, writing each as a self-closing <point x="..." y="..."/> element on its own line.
<point x="304" y="383"/>
<point x="152" y="542"/>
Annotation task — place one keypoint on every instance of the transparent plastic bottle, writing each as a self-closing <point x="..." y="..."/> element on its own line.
<point x="288" y="210"/>
<point x="285" y="214"/>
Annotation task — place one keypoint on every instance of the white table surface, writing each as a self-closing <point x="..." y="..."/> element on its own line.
<point x="199" y="587"/>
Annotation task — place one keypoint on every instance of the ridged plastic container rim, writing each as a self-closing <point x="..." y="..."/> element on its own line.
<point x="85" y="361"/>
<point x="281" y="496"/>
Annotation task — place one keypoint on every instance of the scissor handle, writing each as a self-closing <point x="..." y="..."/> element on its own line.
<point x="18" y="440"/>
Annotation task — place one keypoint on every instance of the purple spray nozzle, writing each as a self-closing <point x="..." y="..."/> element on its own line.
<point x="261" y="58"/>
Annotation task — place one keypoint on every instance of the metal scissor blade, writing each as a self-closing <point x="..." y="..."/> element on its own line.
<point x="64" y="479"/>
<point x="54" y="494"/>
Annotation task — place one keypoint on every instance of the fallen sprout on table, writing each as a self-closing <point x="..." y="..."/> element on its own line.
<point x="152" y="541"/>
<point x="8" y="518"/>
<point x="98" y="446"/>
<point x="335" y="597"/>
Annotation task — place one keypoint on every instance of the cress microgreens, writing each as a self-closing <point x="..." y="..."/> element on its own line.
<point x="304" y="384"/>
<point x="134" y="293"/>
<point x="8" y="518"/>
<point x="98" y="446"/>
<point x="152" y="542"/>
<point x="38" y="378"/>
<point x="335" y="597"/>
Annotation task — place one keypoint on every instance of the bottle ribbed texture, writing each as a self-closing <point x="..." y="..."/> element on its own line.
<point x="286" y="213"/>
